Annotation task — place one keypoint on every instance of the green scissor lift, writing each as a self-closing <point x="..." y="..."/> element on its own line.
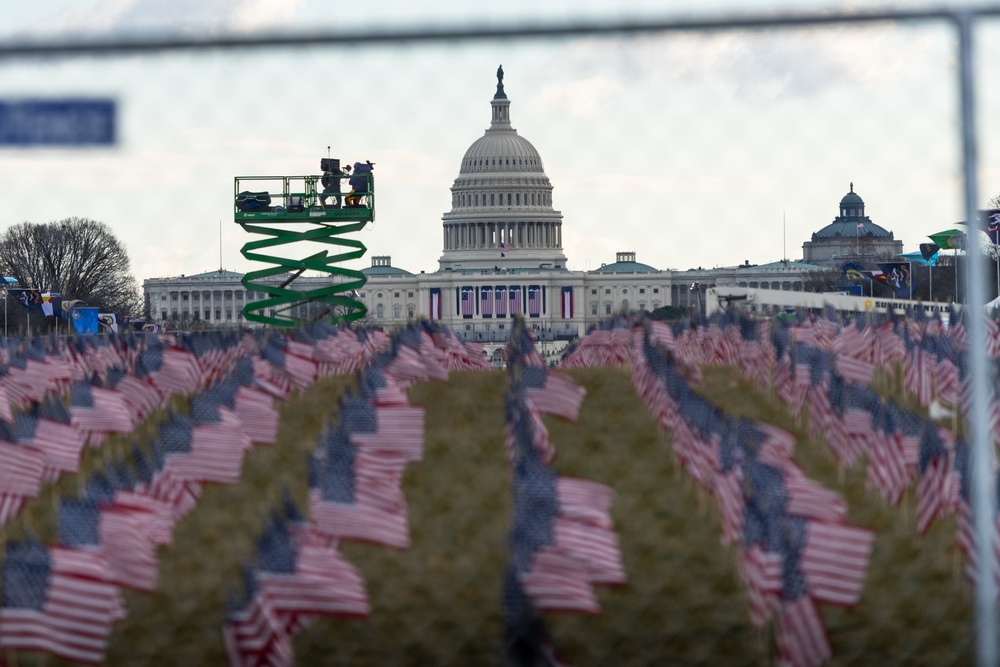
<point x="292" y="213"/>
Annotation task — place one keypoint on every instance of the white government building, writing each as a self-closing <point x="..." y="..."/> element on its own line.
<point x="502" y="253"/>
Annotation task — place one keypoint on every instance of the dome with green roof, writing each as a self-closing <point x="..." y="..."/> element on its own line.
<point x="625" y="263"/>
<point x="852" y="235"/>
<point x="852" y="221"/>
<point x="382" y="266"/>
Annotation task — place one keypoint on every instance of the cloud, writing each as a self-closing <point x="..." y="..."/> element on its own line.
<point x="101" y="17"/>
<point x="753" y="66"/>
<point x="590" y="97"/>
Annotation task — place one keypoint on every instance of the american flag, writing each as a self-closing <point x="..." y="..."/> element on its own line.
<point x="888" y="468"/>
<point x="552" y="392"/>
<point x="835" y="560"/>
<point x="514" y="298"/>
<point x="798" y="550"/>
<point x="52" y="432"/>
<point x="21" y="470"/>
<point x="802" y="640"/>
<point x="526" y="639"/>
<point x="534" y="300"/>
<point x="218" y="441"/>
<point x="468" y="302"/>
<point x="486" y="301"/>
<point x="500" y="300"/>
<point x="562" y="540"/>
<point x="168" y="486"/>
<point x="762" y="571"/>
<point x="96" y="412"/>
<point x="353" y="496"/>
<point x="936" y="494"/>
<point x="253" y="633"/>
<point x="302" y="580"/>
<point x="58" y="600"/>
<point x="123" y="534"/>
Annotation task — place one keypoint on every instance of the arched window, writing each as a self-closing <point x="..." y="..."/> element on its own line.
<point x="492" y="199"/>
<point x="380" y="311"/>
<point x="508" y="199"/>
<point x="517" y="199"/>
<point x="477" y="199"/>
<point x="625" y="305"/>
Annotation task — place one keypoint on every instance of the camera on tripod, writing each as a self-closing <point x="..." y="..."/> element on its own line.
<point x="330" y="166"/>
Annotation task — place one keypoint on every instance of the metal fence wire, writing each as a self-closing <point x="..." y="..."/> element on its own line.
<point x="668" y="156"/>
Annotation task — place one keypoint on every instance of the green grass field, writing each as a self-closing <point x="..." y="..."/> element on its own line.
<point x="438" y="603"/>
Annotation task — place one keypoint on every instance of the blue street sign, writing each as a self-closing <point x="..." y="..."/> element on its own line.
<point x="63" y="122"/>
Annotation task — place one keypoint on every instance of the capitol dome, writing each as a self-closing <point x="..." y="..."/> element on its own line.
<point x="502" y="215"/>
<point x="504" y="150"/>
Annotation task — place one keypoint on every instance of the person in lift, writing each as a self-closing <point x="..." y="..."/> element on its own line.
<point x="359" y="182"/>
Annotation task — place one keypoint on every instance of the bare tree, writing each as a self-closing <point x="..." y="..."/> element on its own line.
<point x="77" y="257"/>
<point x="823" y="280"/>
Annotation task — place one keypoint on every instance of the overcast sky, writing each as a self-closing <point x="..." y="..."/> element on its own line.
<point x="691" y="150"/>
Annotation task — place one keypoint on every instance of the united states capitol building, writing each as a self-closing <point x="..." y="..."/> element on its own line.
<point x="503" y="254"/>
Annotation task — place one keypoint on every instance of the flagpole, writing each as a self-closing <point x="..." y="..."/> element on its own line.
<point x="954" y="257"/>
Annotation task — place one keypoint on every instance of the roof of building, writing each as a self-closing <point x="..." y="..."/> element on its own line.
<point x="385" y="271"/>
<point x="852" y="199"/>
<point x="850" y="229"/>
<point x="852" y="222"/>
<point x="503" y="270"/>
<point x="218" y="274"/>
<point x="789" y="264"/>
<point x="626" y="267"/>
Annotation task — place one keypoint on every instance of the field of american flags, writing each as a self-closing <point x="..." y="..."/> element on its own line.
<point x="438" y="602"/>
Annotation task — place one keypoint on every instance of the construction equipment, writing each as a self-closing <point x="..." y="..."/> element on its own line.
<point x="293" y="214"/>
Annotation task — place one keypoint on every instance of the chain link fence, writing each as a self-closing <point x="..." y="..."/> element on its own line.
<point x="695" y="143"/>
